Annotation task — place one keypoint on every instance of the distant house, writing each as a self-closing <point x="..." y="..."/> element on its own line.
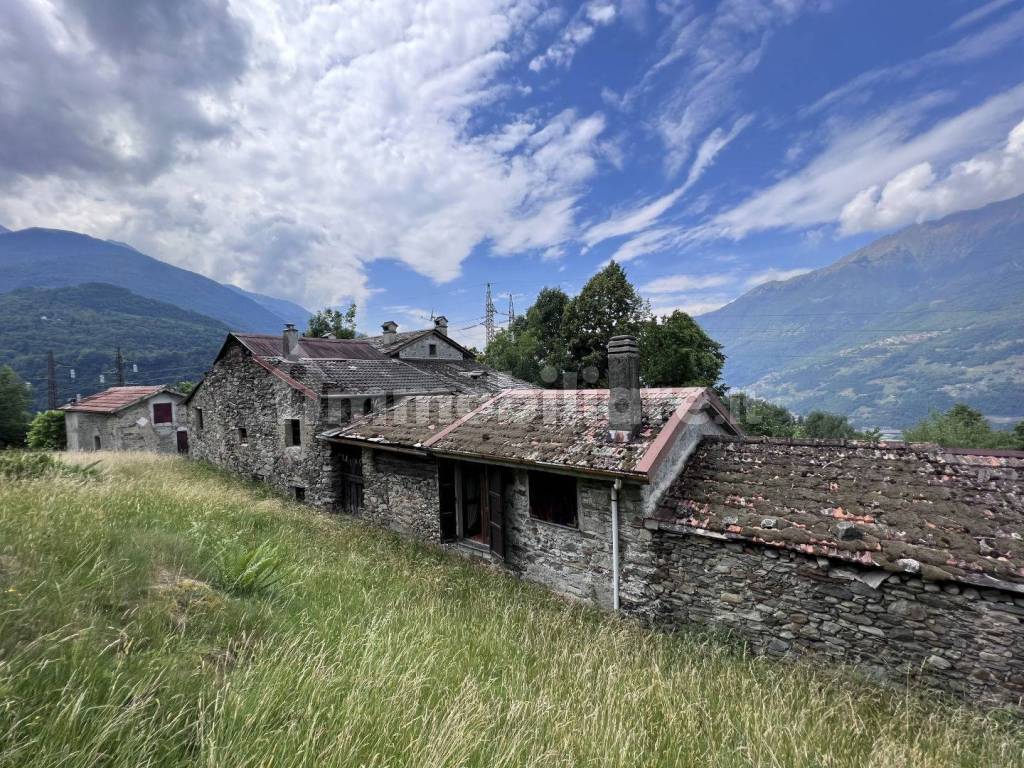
<point x="128" y="419"/>
<point x="259" y="409"/>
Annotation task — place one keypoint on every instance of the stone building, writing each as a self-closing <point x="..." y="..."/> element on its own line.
<point x="128" y="419"/>
<point x="258" y="410"/>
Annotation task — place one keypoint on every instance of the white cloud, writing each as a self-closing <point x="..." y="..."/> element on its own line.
<point x="577" y="33"/>
<point x="979" y="13"/>
<point x="351" y="140"/>
<point x="692" y="307"/>
<point x="866" y="154"/>
<point x="773" y="275"/>
<point x="651" y="241"/>
<point x="678" y="283"/>
<point x="918" y="194"/>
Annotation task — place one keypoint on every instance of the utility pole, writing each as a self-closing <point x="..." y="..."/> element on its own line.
<point x="119" y="367"/>
<point x="489" y="316"/>
<point x="51" y="381"/>
<point x="511" y="312"/>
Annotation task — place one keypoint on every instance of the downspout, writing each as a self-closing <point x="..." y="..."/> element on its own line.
<point x="616" y="487"/>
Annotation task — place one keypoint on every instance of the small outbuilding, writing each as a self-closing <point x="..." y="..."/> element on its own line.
<point x="150" y="418"/>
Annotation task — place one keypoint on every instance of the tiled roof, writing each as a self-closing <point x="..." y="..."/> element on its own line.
<point x="469" y="376"/>
<point x="399" y="340"/>
<point x="324" y="349"/>
<point x="363" y="376"/>
<point x="410" y="423"/>
<point x="943" y="513"/>
<point x="567" y="429"/>
<point x="113" y="400"/>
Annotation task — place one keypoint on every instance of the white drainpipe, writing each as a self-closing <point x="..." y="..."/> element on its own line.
<point x="616" y="486"/>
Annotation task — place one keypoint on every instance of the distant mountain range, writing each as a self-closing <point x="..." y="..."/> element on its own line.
<point x="53" y="258"/>
<point x="84" y="324"/>
<point x="917" y="320"/>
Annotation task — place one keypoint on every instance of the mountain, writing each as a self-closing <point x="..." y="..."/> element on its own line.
<point x="84" y="324"/>
<point x="915" y="321"/>
<point x="52" y="258"/>
<point x="288" y="310"/>
<point x="3" y="229"/>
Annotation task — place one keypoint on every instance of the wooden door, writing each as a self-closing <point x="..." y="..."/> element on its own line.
<point x="475" y="523"/>
<point x="350" y="478"/>
<point x="182" y="441"/>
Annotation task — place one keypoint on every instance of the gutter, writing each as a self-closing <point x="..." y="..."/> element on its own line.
<point x="616" y="487"/>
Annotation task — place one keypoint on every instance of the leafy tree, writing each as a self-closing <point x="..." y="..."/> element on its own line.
<point x="1018" y="436"/>
<point x="607" y="306"/>
<point x="14" y="399"/>
<point x="676" y="352"/>
<point x="962" y="427"/>
<point x="46" y="432"/>
<point x="760" y="417"/>
<point x="533" y="346"/>
<point x="184" y="387"/>
<point x="342" y="325"/>
<point x="824" y="425"/>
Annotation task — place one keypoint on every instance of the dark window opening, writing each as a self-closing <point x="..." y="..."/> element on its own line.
<point x="292" y="432"/>
<point x="199" y="419"/>
<point x="257" y="478"/>
<point x="553" y="498"/>
<point x="474" y="501"/>
<point x="367" y="407"/>
<point x="389" y="401"/>
<point x="163" y="413"/>
<point x="243" y="436"/>
<point x="432" y="350"/>
<point x="96" y="442"/>
<point x="299" y="492"/>
<point x="346" y="410"/>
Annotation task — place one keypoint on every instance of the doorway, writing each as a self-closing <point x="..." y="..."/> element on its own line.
<point x="475" y="518"/>
<point x="182" y="441"/>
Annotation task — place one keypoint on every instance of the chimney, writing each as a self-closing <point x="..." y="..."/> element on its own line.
<point x="390" y="329"/>
<point x="290" y="343"/>
<point x="441" y="325"/>
<point x="624" y="406"/>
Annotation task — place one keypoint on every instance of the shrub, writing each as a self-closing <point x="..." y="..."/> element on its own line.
<point x="46" y="432"/>
<point x="249" y="570"/>
<point x="28" y="465"/>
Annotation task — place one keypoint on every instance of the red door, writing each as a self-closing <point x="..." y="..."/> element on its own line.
<point x="182" y="441"/>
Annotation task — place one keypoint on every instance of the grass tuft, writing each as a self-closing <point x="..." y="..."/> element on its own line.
<point x="166" y="614"/>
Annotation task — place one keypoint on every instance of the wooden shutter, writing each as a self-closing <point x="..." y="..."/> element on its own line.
<point x="496" y="509"/>
<point x="446" y="498"/>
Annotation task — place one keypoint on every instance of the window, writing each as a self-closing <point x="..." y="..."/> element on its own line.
<point x="96" y="442"/>
<point x="389" y="401"/>
<point x="474" y="502"/>
<point x="367" y="406"/>
<point x="243" y="436"/>
<point x="163" y="413"/>
<point x="199" y="419"/>
<point x="299" y="492"/>
<point x="432" y="350"/>
<point x="292" y="432"/>
<point x="553" y="498"/>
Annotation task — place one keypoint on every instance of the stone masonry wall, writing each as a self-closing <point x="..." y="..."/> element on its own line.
<point x="959" y="639"/>
<point x="131" y="429"/>
<point x="420" y="349"/>
<point x="238" y="392"/>
<point x="400" y="492"/>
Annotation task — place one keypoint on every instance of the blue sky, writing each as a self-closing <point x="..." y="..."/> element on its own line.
<point x="403" y="154"/>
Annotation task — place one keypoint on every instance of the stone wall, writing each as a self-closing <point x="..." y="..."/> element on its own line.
<point x="420" y="349"/>
<point x="131" y="429"/>
<point x="400" y="492"/>
<point x="959" y="639"/>
<point x="238" y="393"/>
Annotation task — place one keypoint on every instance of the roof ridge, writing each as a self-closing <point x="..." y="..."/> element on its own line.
<point x="897" y="445"/>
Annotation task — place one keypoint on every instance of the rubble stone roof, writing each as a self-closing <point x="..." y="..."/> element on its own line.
<point x="567" y="429"/>
<point x="363" y="376"/>
<point x="469" y="376"/>
<point x="943" y="513"/>
<point x="114" y="399"/>
<point x="265" y="345"/>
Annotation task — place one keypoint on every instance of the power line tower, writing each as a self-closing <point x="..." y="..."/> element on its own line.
<point x="489" y="316"/>
<point x="511" y="311"/>
<point x="119" y="368"/>
<point x="51" y="381"/>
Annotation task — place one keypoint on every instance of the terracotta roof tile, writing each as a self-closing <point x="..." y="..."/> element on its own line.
<point x="113" y="400"/>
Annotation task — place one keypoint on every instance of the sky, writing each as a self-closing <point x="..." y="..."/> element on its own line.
<point x="404" y="153"/>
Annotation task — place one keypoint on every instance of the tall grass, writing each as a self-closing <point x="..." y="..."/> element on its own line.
<point x="161" y="613"/>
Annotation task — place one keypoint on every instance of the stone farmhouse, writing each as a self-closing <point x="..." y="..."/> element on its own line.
<point x="902" y="560"/>
<point x="128" y="419"/>
<point x="259" y="409"/>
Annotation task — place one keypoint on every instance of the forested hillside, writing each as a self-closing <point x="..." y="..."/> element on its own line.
<point x="914" y="322"/>
<point x="83" y="325"/>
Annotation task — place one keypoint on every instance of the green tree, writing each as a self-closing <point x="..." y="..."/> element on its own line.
<point x="961" y="427"/>
<point x="342" y="325"/>
<point x="532" y="347"/>
<point x="822" y="425"/>
<point x="760" y="417"/>
<point x="676" y="352"/>
<point x="1018" y="436"/>
<point x="46" y="432"/>
<point x="607" y="306"/>
<point x="14" y="399"/>
<point x="184" y="387"/>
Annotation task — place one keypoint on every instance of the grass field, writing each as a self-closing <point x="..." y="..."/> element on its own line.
<point x="161" y="613"/>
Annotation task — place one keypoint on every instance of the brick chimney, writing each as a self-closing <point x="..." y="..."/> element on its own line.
<point x="441" y="325"/>
<point x="390" y="328"/>
<point x="624" y="405"/>
<point x="290" y="343"/>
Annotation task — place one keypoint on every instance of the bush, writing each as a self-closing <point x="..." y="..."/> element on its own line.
<point x="249" y="570"/>
<point x="28" y="465"/>
<point x="46" y="432"/>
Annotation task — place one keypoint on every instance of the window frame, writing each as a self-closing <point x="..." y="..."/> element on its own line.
<point x="169" y="412"/>
<point x="293" y="433"/>
<point x="199" y="419"/>
<point x="531" y="474"/>
<point x="432" y="350"/>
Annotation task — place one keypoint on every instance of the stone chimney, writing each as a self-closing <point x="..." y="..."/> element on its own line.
<point x="290" y="343"/>
<point x="624" y="406"/>
<point x="441" y="325"/>
<point x="390" y="328"/>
